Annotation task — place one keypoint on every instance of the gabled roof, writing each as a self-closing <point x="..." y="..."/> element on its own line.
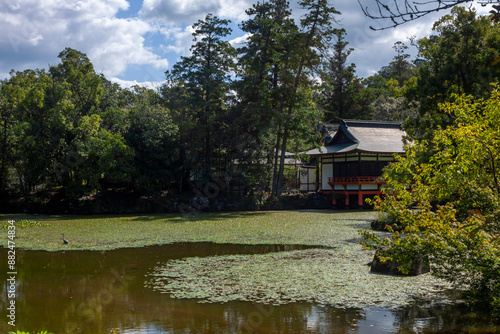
<point x="364" y="136"/>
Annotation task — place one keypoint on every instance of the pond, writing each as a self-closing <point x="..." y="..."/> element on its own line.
<point x="104" y="292"/>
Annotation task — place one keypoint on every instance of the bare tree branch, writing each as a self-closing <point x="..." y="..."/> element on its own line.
<point x="402" y="11"/>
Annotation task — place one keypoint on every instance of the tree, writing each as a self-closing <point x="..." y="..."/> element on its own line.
<point x="312" y="42"/>
<point x="177" y="98"/>
<point x="399" y="70"/>
<point x="459" y="58"/>
<point x="31" y="128"/>
<point x="343" y="94"/>
<point x="403" y="11"/>
<point x="7" y="137"/>
<point x="55" y="127"/>
<point x="206" y="76"/>
<point x="390" y="108"/>
<point x="154" y="138"/>
<point x="336" y="77"/>
<point x="76" y="70"/>
<point x="88" y="154"/>
<point x="340" y="75"/>
<point x="445" y="195"/>
<point x="114" y="106"/>
<point x="264" y="68"/>
<point x="5" y="119"/>
<point x="100" y="157"/>
<point x="402" y="69"/>
<point x="388" y="86"/>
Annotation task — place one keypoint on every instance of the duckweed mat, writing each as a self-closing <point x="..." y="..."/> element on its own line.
<point x="337" y="277"/>
<point x="107" y="232"/>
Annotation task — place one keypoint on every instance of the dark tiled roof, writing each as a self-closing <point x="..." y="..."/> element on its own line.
<point x="364" y="136"/>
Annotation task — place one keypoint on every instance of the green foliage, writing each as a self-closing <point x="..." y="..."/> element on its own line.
<point x="100" y="156"/>
<point x="276" y="112"/>
<point x="458" y="58"/>
<point x="263" y="86"/>
<point x="387" y="87"/>
<point x="446" y="195"/>
<point x="53" y="124"/>
<point x="77" y="73"/>
<point x="342" y="95"/>
<point x="154" y="138"/>
<point x="206" y="79"/>
<point x="305" y="50"/>
<point x="70" y="130"/>
<point x="21" y="332"/>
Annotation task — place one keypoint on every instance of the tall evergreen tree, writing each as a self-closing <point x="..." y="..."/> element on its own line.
<point x="339" y="76"/>
<point x="343" y="94"/>
<point x="402" y="69"/>
<point x="263" y="83"/>
<point x="206" y="75"/>
<point x="310" y="45"/>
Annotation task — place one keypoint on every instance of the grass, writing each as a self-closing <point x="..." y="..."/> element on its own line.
<point x="338" y="275"/>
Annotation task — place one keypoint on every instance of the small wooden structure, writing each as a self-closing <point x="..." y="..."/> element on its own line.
<point x="351" y="162"/>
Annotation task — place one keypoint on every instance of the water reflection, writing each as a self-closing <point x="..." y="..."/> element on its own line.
<point x="95" y="292"/>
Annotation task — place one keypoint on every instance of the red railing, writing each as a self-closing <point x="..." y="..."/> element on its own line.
<point x="355" y="180"/>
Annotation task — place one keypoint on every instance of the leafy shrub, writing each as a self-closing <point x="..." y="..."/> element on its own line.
<point x="445" y="193"/>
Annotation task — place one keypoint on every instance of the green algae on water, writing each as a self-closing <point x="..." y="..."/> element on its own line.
<point x="107" y="232"/>
<point x="337" y="277"/>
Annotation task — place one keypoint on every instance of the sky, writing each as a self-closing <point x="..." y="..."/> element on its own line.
<point x="136" y="41"/>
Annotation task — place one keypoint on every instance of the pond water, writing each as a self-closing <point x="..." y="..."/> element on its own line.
<point x="104" y="292"/>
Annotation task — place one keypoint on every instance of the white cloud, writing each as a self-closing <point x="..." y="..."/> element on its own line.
<point x="240" y="41"/>
<point x="172" y="12"/>
<point x="180" y="39"/>
<point x="130" y="83"/>
<point x="373" y="49"/>
<point x="234" y="9"/>
<point x="34" y="33"/>
<point x="177" y="11"/>
<point x="119" y="44"/>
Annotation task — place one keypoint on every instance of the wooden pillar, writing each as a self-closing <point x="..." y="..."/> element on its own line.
<point x="360" y="198"/>
<point x="318" y="180"/>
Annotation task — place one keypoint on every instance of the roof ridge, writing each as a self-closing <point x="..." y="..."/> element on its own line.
<point x="371" y="122"/>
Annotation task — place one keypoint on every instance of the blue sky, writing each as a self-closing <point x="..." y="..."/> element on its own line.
<point x="135" y="41"/>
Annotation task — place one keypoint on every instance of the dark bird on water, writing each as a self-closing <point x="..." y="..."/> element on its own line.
<point x="64" y="240"/>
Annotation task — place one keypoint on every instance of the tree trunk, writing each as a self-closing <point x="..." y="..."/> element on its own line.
<point x="3" y="157"/>
<point x="282" y="160"/>
<point x="275" y="164"/>
<point x="208" y="158"/>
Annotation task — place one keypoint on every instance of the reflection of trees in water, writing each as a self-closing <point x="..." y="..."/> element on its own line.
<point x="58" y="289"/>
<point x="84" y="288"/>
<point x="301" y="318"/>
<point x="433" y="319"/>
<point x="335" y="320"/>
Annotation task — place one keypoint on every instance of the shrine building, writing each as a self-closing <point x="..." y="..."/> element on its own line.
<point x="351" y="161"/>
